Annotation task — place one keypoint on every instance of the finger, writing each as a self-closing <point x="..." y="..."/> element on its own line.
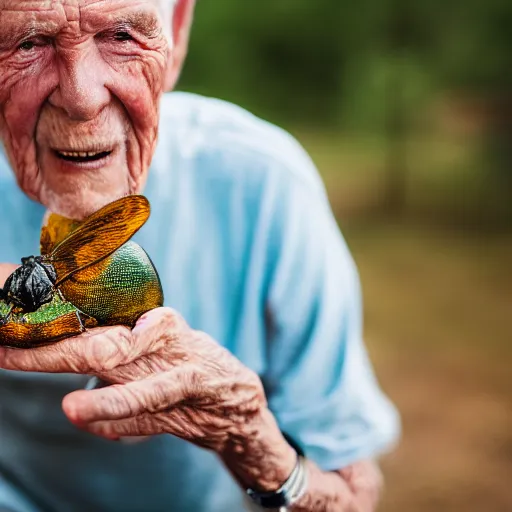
<point x="142" y="425"/>
<point x="151" y="395"/>
<point x="162" y="325"/>
<point x="6" y="269"/>
<point x="93" y="352"/>
<point x="97" y="350"/>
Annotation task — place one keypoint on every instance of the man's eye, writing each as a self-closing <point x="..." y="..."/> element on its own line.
<point x="35" y="42"/>
<point x="123" y="36"/>
<point x="26" y="46"/>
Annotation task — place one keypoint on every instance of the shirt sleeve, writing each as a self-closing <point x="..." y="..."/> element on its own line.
<point x="320" y="383"/>
<point x="11" y="500"/>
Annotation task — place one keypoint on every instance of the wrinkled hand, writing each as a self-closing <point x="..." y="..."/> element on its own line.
<point x="166" y="378"/>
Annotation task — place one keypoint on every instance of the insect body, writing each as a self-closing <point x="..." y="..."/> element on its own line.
<point x="31" y="285"/>
<point x="89" y="274"/>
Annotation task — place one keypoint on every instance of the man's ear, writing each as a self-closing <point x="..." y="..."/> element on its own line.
<point x="181" y="25"/>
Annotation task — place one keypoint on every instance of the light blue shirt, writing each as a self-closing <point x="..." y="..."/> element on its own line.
<point x="248" y="251"/>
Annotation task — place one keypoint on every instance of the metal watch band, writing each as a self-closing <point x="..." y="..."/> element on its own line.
<point x="290" y="492"/>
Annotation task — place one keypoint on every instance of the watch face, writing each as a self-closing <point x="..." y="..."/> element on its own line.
<point x="269" y="500"/>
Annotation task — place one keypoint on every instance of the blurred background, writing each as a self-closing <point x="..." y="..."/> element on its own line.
<point x="406" y="108"/>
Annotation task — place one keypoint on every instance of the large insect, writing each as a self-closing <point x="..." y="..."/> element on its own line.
<point x="89" y="274"/>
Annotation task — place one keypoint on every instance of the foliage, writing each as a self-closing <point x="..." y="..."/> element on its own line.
<point x="376" y="67"/>
<point x="313" y="62"/>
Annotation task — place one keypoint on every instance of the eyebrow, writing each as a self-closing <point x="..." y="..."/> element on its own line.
<point x="16" y="33"/>
<point x="144" y="23"/>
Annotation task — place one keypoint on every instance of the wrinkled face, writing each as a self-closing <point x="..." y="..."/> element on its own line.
<point x="80" y="82"/>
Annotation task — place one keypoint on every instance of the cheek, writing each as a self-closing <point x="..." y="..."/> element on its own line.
<point x="22" y="94"/>
<point x="139" y="84"/>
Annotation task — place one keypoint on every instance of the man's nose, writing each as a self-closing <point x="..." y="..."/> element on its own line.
<point x="81" y="92"/>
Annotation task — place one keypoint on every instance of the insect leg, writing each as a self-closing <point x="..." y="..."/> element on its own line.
<point x="80" y="321"/>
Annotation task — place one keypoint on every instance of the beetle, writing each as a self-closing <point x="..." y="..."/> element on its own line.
<point x="31" y="285"/>
<point x="89" y="274"/>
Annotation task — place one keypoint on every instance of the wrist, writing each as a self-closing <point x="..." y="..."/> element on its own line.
<point x="258" y="455"/>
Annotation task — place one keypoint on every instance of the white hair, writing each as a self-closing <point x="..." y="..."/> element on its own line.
<point x="167" y="7"/>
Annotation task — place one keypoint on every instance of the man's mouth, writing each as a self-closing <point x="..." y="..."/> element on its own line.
<point x="82" y="156"/>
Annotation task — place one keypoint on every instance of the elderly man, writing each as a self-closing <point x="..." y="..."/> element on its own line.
<point x="258" y="377"/>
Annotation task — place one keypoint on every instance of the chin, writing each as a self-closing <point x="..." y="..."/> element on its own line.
<point x="76" y="190"/>
<point x="81" y="201"/>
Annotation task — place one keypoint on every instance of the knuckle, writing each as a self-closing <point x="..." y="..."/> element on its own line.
<point x="122" y="428"/>
<point x="134" y="401"/>
<point x="194" y="383"/>
<point x="109" y="350"/>
<point x="160" y="396"/>
<point x="202" y="336"/>
<point x="172" y="319"/>
<point x="143" y="425"/>
<point x="253" y="380"/>
<point x="202" y="343"/>
<point x="119" y="404"/>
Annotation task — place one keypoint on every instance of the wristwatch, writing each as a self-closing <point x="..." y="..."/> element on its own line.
<point x="289" y="493"/>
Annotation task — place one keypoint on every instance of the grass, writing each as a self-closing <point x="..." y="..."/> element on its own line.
<point x="437" y="307"/>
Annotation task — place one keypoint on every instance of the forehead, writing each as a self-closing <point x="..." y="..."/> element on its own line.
<point x="48" y="5"/>
<point x="71" y="10"/>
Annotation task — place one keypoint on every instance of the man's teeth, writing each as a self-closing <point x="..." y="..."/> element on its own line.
<point x="80" y="154"/>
